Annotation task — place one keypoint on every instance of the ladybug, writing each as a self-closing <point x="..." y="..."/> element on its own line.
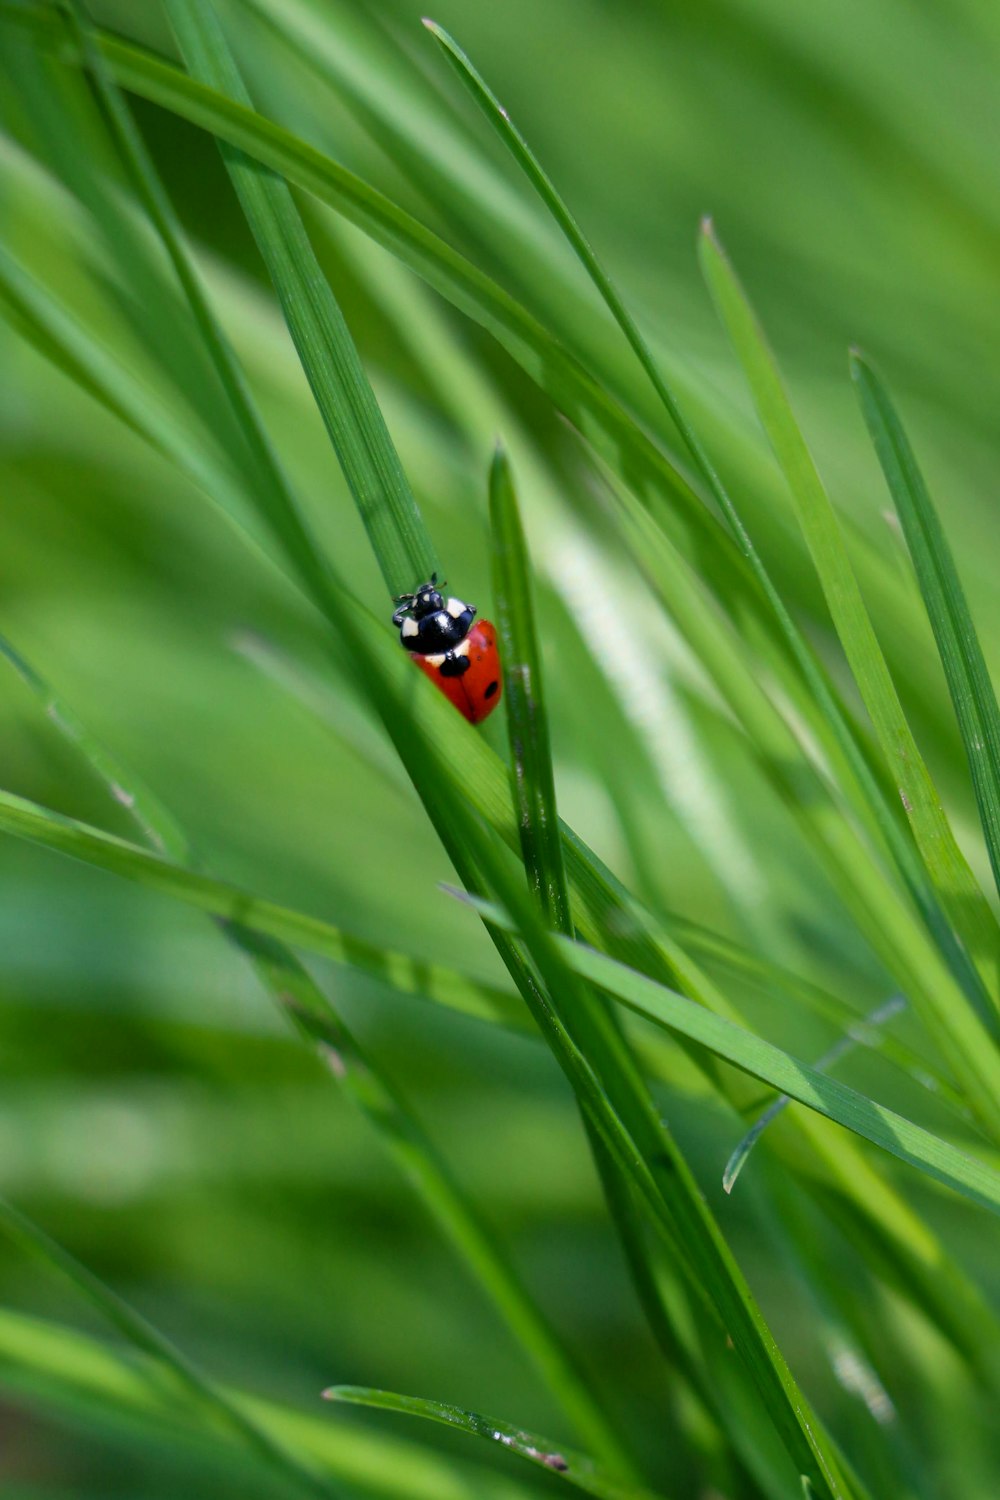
<point x="452" y="648"/>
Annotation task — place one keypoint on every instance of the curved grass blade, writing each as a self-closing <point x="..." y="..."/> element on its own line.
<point x="861" y="1036"/>
<point x="576" y="1468"/>
<point x="210" y="1400"/>
<point x="317" y="1020"/>
<point x="544" y="359"/>
<point x="339" y="384"/>
<point x="961" y="654"/>
<point x="963" y="1033"/>
<point x="408" y="975"/>
<point x="881" y="1126"/>
<point x="751" y="1054"/>
<point x="65" y="1370"/>
<point x="831" y="721"/>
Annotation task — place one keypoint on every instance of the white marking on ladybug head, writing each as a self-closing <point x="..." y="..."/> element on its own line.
<point x="410" y="627"/>
<point x="456" y="608"/>
<point x="436" y="660"/>
<point x="462" y="649"/>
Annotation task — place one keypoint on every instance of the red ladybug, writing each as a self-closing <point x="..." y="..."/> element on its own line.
<point x="460" y="656"/>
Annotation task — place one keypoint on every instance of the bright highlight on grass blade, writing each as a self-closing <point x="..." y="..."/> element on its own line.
<point x="576" y="1468"/>
<point x="961" y="654"/>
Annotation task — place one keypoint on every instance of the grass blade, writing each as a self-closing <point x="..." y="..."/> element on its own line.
<point x="144" y="1337"/>
<point x="576" y="1468"/>
<point x="831" y="722"/>
<point x="541" y="355"/>
<point x="456" y="1214"/>
<point x="862" y="1035"/>
<point x="533" y="782"/>
<point x="954" y="630"/>
<point x="316" y="1019"/>
<point x="63" y="1369"/>
<point x="338" y="381"/>
<point x="777" y="1068"/>
<point x="528" y="727"/>
<point x="962" y="1033"/>
<point x="254" y="457"/>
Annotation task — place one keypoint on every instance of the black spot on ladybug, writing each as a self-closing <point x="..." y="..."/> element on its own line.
<point x="454" y="665"/>
<point x="488" y="692"/>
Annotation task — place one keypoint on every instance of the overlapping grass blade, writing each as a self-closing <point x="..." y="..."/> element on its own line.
<point x="42" y="1362"/>
<point x="751" y="1054"/>
<point x="841" y="1048"/>
<point x="777" y="1068"/>
<point x="270" y="207"/>
<point x="533" y="782"/>
<point x="576" y="1468"/>
<point x="339" y="384"/>
<point x="961" y="1031"/>
<point x="315" y="1017"/>
<point x="211" y="1402"/>
<point x="826" y="1095"/>
<point x="833" y="1160"/>
<point x="469" y="289"/>
<point x="823" y="709"/>
<point x="614" y="1095"/>
<point x="954" y="629"/>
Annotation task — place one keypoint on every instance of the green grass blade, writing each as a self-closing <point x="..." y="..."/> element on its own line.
<point x="576" y="1468"/>
<point x="338" y="381"/>
<point x="149" y="814"/>
<point x="254" y="456"/>
<point x="58" y="1368"/>
<point x="538" y="821"/>
<point x="454" y="1211"/>
<point x="962" y="1032"/>
<point x="409" y="975"/>
<point x="954" y="630"/>
<point x="446" y="270"/>
<point x="205" y="1396"/>
<point x="583" y="1036"/>
<point x="841" y="1048"/>
<point x="533" y="782"/>
<point x="315" y="1017"/>
<point x="527" y="721"/>
<point x="777" y="1068"/>
<point x="831" y="722"/>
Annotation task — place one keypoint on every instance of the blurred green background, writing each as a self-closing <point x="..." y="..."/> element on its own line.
<point x="154" y="1114"/>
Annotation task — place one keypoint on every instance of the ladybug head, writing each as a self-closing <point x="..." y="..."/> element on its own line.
<point x="426" y="600"/>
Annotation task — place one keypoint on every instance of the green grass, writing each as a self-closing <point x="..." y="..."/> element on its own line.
<point x="272" y="296"/>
